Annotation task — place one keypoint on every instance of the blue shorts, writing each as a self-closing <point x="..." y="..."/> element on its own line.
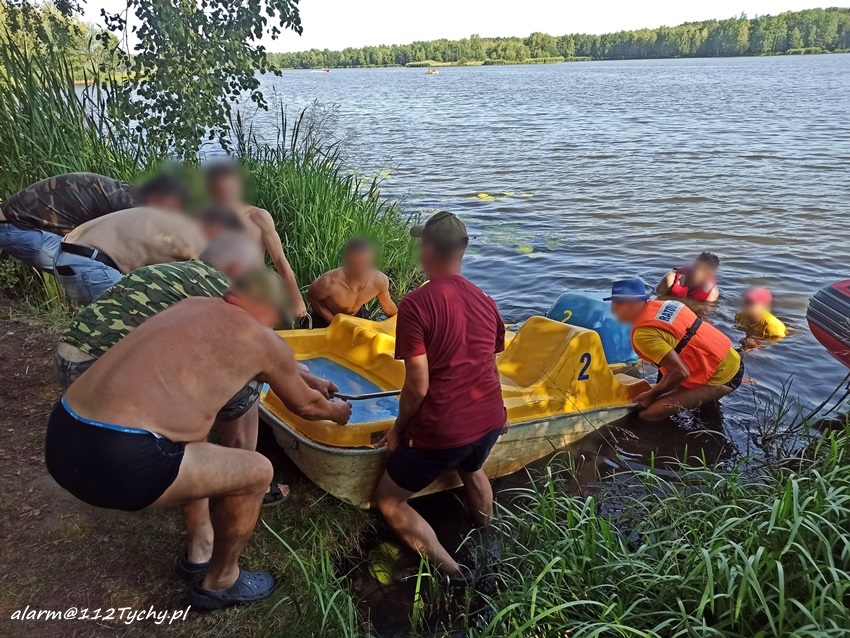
<point x="414" y="469"/>
<point x="37" y="248"/>
<point x="83" y="278"/>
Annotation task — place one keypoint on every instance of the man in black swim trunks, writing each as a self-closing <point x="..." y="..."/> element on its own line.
<point x="34" y="220"/>
<point x="131" y="432"/>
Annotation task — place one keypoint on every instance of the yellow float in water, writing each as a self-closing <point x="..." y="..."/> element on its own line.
<point x="556" y="384"/>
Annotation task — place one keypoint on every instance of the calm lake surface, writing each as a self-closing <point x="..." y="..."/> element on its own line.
<point x="625" y="169"/>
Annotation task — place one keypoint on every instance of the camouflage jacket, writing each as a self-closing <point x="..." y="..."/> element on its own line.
<point x="137" y="297"/>
<point x="59" y="204"/>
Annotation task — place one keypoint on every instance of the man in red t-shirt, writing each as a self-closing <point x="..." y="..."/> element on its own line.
<point x="451" y="410"/>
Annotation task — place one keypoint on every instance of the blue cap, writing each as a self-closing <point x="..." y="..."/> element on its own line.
<point x="628" y="290"/>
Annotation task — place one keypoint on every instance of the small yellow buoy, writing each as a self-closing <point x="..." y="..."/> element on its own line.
<point x="382" y="561"/>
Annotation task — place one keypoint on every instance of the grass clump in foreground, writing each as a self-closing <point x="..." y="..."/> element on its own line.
<point x="711" y="554"/>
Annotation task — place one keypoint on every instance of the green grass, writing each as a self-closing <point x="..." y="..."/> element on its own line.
<point x="48" y="126"/>
<point x="757" y="551"/>
<point x="709" y="554"/>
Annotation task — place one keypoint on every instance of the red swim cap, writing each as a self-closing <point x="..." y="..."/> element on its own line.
<point x="758" y="295"/>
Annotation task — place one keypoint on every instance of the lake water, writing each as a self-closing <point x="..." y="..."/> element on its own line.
<point x="625" y="169"/>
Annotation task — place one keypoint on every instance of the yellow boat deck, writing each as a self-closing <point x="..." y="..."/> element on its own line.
<point x="547" y="369"/>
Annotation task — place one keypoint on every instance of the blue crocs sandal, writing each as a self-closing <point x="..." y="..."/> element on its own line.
<point x="250" y="587"/>
<point x="193" y="572"/>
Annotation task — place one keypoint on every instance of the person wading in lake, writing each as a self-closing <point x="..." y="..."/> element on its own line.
<point x="697" y="282"/>
<point x="347" y="290"/>
<point x="224" y="183"/>
<point x="697" y="362"/>
<point x="99" y="253"/>
<point x="131" y="432"/>
<point x="34" y="220"/>
<point x="451" y="410"/>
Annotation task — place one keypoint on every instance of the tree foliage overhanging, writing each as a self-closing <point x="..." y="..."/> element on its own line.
<point x="811" y="30"/>
<point x="191" y="60"/>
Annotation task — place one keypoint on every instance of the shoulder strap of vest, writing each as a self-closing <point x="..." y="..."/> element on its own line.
<point x="689" y="334"/>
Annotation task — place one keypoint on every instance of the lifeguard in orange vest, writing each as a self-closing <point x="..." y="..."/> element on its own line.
<point x="697" y="361"/>
<point x="697" y="282"/>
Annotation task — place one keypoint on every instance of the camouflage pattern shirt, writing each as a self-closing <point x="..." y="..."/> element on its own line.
<point x="138" y="297"/>
<point x="60" y="204"/>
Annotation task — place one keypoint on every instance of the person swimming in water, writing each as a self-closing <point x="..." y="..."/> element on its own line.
<point x="348" y="289"/>
<point x="697" y="282"/>
<point x="757" y="321"/>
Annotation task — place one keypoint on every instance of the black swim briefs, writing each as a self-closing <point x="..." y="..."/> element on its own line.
<point x="108" y="465"/>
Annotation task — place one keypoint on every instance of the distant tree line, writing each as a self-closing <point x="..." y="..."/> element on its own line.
<point x="809" y="31"/>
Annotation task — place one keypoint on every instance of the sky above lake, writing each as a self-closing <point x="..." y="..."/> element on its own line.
<point x="336" y="24"/>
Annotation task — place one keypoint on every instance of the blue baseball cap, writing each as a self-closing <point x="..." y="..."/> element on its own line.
<point x="628" y="290"/>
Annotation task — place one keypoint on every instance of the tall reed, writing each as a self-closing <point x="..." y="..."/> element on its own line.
<point x="711" y="554"/>
<point x="50" y="125"/>
<point x="318" y="205"/>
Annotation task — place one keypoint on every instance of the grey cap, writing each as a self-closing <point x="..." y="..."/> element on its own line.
<point x="442" y="228"/>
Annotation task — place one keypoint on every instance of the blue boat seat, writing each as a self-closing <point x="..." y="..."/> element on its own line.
<point x="588" y="312"/>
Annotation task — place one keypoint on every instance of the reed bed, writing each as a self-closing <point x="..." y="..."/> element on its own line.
<point x="709" y="554"/>
<point x="50" y="125"/>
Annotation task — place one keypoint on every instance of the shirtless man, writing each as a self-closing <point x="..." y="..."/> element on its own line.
<point x="224" y="183"/>
<point x="131" y="432"/>
<point x="94" y="256"/>
<point x="347" y="290"/>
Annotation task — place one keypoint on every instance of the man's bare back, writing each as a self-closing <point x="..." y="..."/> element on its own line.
<point x="172" y="374"/>
<point x="332" y="293"/>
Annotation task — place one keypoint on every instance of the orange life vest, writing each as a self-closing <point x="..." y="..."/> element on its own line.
<point x="702" y="351"/>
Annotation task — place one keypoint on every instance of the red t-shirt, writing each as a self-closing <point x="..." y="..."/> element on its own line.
<point x="459" y="327"/>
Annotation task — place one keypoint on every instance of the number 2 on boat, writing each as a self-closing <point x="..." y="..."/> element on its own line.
<point x="584" y="359"/>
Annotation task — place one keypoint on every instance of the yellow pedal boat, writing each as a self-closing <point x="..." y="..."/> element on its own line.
<point x="556" y="384"/>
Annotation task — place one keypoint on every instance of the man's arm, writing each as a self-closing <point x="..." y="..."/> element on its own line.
<point x="319" y="291"/>
<point x="326" y="387"/>
<point x="271" y="240"/>
<point x="413" y="393"/>
<point x="675" y="372"/>
<point x="387" y="304"/>
<point x="714" y="295"/>
<point x="281" y="372"/>
<point x="666" y="283"/>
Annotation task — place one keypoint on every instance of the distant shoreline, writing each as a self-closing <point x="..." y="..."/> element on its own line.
<point x="474" y="63"/>
<point x="810" y="31"/>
